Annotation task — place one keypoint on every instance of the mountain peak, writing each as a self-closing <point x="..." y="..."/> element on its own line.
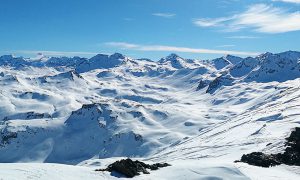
<point x="173" y="56"/>
<point x="266" y="54"/>
<point x="233" y="59"/>
<point x="117" y="56"/>
<point x="99" y="56"/>
<point x="175" y="61"/>
<point x="228" y="56"/>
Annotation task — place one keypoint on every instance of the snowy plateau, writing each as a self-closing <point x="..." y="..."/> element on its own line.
<point x="65" y="117"/>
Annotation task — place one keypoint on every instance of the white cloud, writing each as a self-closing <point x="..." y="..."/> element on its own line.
<point x="164" y="15"/>
<point x="52" y="53"/>
<point x="210" y="22"/>
<point x="289" y="1"/>
<point x="260" y="17"/>
<point x="122" y="45"/>
<point x="242" y="37"/>
<point x="226" y="45"/>
<point x="138" y="47"/>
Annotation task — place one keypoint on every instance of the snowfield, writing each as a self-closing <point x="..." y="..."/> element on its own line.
<point x="62" y="118"/>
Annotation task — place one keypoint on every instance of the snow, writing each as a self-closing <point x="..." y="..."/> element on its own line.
<point x="200" y="170"/>
<point x="82" y="114"/>
<point x="180" y="170"/>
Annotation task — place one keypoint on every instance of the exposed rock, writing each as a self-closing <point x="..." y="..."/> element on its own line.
<point x="223" y="80"/>
<point x="131" y="168"/>
<point x="174" y="60"/>
<point x="221" y="63"/>
<point x="291" y="155"/>
<point x="260" y="159"/>
<point x="6" y="137"/>
<point x="202" y="84"/>
<point x="27" y="116"/>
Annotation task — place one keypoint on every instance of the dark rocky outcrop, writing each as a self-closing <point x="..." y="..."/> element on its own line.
<point x="131" y="168"/>
<point x="6" y="137"/>
<point x="260" y="159"/>
<point x="223" y="80"/>
<point x="27" y="116"/>
<point x="291" y="155"/>
<point x="202" y="84"/>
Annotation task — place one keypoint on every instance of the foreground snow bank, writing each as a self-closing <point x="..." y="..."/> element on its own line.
<point x="188" y="169"/>
<point x="204" y="169"/>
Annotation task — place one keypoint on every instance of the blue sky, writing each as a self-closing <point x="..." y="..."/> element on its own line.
<point x="149" y="28"/>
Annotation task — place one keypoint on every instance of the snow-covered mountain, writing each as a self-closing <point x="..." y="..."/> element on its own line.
<point x="198" y="115"/>
<point x="264" y="68"/>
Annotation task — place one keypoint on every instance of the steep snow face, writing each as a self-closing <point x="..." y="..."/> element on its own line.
<point x="265" y="68"/>
<point x="276" y="67"/>
<point x="233" y="59"/>
<point x="100" y="61"/>
<point x="174" y="60"/>
<point x="177" y="62"/>
<point x="225" y="61"/>
<point x="244" y="67"/>
<point x="79" y="111"/>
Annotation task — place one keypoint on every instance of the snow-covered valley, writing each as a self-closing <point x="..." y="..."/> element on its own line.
<point x="62" y="118"/>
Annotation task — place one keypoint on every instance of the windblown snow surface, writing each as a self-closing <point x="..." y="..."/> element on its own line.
<point x="62" y="118"/>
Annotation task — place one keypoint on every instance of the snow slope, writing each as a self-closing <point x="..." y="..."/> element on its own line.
<point x="81" y="114"/>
